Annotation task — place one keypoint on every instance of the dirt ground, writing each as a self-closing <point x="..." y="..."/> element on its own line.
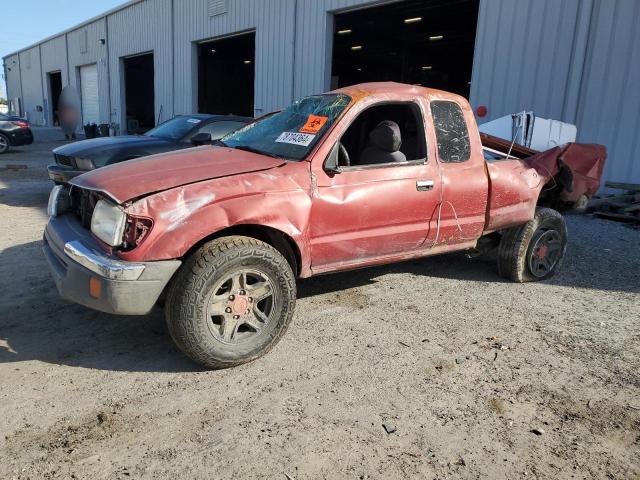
<point x="480" y="378"/>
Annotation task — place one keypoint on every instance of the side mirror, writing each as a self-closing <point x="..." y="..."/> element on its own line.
<point x="201" y="138"/>
<point x="331" y="163"/>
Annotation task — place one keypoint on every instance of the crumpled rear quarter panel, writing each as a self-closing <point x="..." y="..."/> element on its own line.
<point x="514" y="188"/>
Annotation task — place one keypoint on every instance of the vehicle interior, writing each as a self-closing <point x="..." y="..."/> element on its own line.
<point x="384" y="134"/>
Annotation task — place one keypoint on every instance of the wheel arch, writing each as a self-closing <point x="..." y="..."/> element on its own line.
<point x="278" y="239"/>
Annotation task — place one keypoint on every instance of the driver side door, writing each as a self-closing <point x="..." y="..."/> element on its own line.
<point x="369" y="211"/>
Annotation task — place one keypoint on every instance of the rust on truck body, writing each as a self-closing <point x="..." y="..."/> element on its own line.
<point x="355" y="218"/>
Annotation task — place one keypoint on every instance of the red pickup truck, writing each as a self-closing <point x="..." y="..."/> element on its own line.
<point x="365" y="175"/>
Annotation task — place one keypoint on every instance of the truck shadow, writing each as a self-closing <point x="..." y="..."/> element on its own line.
<point x="452" y="266"/>
<point x="35" y="324"/>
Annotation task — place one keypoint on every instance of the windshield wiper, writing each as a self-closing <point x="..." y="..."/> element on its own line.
<point x="247" y="148"/>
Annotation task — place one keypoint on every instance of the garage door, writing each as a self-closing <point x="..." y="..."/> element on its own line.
<point x="89" y="94"/>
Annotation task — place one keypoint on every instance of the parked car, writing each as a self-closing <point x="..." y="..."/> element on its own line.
<point x="14" y="132"/>
<point x="365" y="175"/>
<point x="182" y="131"/>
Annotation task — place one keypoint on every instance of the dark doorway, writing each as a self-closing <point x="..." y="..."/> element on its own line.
<point x="55" y="88"/>
<point x="425" y="42"/>
<point x="139" y="93"/>
<point x="226" y="75"/>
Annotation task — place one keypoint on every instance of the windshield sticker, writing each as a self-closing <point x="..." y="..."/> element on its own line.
<point x="193" y="120"/>
<point x="314" y="124"/>
<point x="295" y="138"/>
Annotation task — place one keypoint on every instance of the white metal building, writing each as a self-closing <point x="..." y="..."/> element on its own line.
<point x="141" y="63"/>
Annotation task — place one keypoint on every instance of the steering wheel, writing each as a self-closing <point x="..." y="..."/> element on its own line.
<point x="343" y="156"/>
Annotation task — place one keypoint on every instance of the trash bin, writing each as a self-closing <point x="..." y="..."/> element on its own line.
<point x="104" y="129"/>
<point x="87" y="131"/>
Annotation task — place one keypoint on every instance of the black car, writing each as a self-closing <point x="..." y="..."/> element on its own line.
<point x="14" y="132"/>
<point x="182" y="131"/>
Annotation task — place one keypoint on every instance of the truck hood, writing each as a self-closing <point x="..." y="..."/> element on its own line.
<point x="156" y="173"/>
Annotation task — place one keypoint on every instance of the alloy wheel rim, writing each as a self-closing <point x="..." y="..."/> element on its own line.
<point x="241" y="306"/>
<point x="3" y="143"/>
<point x="545" y="252"/>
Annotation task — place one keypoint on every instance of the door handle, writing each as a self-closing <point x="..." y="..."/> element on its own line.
<point x="424" y="185"/>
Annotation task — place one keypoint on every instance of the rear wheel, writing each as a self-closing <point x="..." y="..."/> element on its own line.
<point x="4" y="143"/>
<point x="533" y="251"/>
<point x="231" y="302"/>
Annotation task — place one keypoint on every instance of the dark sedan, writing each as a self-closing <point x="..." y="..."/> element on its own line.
<point x="14" y="132"/>
<point x="182" y="131"/>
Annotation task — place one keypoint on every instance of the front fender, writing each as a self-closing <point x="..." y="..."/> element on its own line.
<point x="186" y="215"/>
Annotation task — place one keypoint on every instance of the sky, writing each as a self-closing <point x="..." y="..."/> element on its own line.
<point x="25" y="22"/>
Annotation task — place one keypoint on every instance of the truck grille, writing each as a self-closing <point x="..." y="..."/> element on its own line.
<point x="64" y="160"/>
<point x="82" y="204"/>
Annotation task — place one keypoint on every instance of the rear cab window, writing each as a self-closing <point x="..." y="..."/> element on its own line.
<point x="452" y="134"/>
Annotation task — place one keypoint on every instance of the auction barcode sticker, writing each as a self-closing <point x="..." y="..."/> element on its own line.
<point x="295" y="138"/>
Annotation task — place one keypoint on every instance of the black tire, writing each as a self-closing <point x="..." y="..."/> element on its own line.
<point x="533" y="251"/>
<point x="4" y="144"/>
<point x="196" y="295"/>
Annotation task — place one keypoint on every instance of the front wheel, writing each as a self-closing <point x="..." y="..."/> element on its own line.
<point x="533" y="251"/>
<point x="231" y="302"/>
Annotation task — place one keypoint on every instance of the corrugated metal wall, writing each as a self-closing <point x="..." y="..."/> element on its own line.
<point x="273" y="22"/>
<point x="54" y="58"/>
<point x="572" y="60"/>
<point x="31" y="82"/>
<point x="140" y="28"/>
<point x="523" y="56"/>
<point x="609" y="105"/>
<point x="84" y="48"/>
<point x="12" y="76"/>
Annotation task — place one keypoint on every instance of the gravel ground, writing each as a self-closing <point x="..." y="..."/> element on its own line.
<point x="480" y="378"/>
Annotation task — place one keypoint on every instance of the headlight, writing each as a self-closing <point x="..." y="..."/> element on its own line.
<point x="84" y="163"/>
<point x="108" y="222"/>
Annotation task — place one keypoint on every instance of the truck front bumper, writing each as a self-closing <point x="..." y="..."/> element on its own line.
<point x="85" y="274"/>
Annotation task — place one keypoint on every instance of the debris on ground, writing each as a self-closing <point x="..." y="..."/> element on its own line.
<point x="15" y="166"/>
<point x="622" y="207"/>
<point x="389" y="428"/>
<point x="537" y="431"/>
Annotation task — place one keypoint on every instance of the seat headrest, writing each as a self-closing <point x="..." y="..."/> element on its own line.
<point x="386" y="136"/>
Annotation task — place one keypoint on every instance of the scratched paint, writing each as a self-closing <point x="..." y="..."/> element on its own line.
<point x="183" y="209"/>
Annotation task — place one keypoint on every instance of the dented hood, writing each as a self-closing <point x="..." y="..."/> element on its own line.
<point x="141" y="177"/>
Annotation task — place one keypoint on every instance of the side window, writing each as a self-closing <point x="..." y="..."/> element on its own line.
<point x="219" y="129"/>
<point x="384" y="134"/>
<point x="451" y="132"/>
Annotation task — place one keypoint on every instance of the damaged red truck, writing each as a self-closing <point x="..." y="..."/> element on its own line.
<point x="365" y="175"/>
